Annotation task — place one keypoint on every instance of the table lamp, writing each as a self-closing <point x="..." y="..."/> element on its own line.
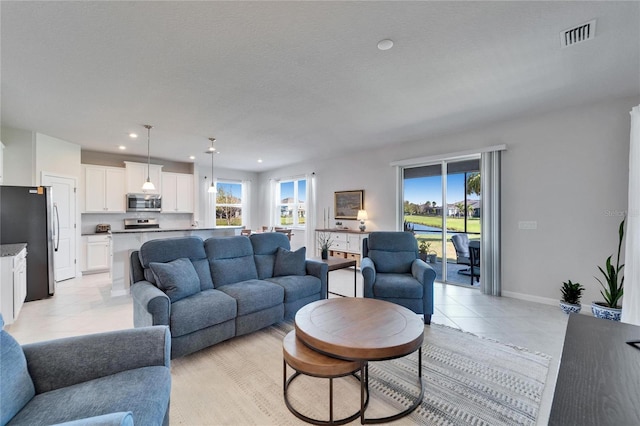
<point x="362" y="216"/>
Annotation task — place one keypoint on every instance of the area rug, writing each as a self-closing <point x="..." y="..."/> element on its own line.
<point x="468" y="381"/>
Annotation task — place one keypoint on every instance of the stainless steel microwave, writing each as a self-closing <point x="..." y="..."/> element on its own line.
<point x="144" y="203"/>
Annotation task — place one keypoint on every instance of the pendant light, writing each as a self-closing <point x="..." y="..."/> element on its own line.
<point x="212" y="150"/>
<point x="148" y="185"/>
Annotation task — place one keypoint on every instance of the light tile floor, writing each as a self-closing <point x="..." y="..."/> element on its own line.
<point x="84" y="305"/>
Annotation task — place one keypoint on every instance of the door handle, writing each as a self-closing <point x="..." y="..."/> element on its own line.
<point x="57" y="232"/>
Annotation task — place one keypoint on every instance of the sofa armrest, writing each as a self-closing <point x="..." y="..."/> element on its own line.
<point x="368" y="270"/>
<point x="64" y="362"/>
<point x="426" y="275"/>
<point x="112" y="419"/>
<point x="318" y="270"/>
<point x="151" y="306"/>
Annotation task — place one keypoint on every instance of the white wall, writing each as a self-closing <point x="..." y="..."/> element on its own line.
<point x="57" y="156"/>
<point x="19" y="156"/>
<point x="566" y="169"/>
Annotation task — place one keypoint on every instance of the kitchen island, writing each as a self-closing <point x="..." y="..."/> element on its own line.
<point x="128" y="240"/>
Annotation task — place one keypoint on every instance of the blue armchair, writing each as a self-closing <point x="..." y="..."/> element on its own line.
<point x="113" y="378"/>
<point x="392" y="271"/>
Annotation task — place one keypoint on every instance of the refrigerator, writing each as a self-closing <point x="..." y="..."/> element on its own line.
<point x="27" y="216"/>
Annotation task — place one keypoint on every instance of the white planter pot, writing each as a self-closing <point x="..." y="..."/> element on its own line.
<point x="600" y="311"/>
<point x="569" y="308"/>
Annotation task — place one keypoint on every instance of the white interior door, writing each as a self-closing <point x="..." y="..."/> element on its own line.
<point x="64" y="222"/>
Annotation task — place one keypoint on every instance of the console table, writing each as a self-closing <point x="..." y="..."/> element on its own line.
<point x="599" y="376"/>
<point x="347" y="243"/>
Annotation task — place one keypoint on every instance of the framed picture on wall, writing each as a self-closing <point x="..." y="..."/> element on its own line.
<point x="347" y="204"/>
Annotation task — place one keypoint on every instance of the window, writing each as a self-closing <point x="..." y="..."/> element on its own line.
<point x="229" y="204"/>
<point x="292" y="205"/>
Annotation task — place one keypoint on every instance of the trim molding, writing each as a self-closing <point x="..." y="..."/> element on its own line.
<point x="449" y="156"/>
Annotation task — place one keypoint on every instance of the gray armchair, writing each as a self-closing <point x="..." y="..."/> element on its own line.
<point x="392" y="271"/>
<point x="113" y="378"/>
<point x="461" y="244"/>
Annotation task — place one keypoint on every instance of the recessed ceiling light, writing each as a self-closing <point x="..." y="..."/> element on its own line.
<point x="192" y="157"/>
<point x="385" y="44"/>
<point x="122" y="147"/>
<point x="259" y="160"/>
<point x="133" y="135"/>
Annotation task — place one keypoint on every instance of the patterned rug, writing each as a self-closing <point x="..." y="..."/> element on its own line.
<point x="468" y="380"/>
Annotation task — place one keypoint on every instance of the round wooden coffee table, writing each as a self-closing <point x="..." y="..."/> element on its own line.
<point x="363" y="330"/>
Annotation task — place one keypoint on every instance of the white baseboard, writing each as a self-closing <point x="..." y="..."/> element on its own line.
<point x="530" y="298"/>
<point x="118" y="293"/>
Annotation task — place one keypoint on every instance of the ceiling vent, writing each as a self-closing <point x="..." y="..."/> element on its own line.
<point x="578" y="34"/>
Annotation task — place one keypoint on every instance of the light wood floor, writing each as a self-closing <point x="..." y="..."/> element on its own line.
<point x="83" y="306"/>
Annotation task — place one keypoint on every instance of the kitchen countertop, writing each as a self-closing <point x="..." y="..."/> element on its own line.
<point x="133" y="231"/>
<point x="11" y="249"/>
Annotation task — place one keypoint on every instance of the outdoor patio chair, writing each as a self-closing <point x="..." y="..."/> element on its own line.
<point x="392" y="271"/>
<point x="461" y="244"/>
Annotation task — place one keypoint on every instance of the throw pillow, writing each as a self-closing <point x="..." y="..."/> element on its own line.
<point x="178" y="279"/>
<point x="290" y="262"/>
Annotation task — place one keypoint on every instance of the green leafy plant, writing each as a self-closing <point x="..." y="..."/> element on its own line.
<point x="571" y="292"/>
<point x="424" y="247"/>
<point x="613" y="279"/>
<point x="324" y="240"/>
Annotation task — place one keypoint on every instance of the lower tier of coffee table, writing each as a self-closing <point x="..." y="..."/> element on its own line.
<point x="305" y="360"/>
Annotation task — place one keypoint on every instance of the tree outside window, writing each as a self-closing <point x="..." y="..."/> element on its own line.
<point x="292" y="206"/>
<point x="229" y="204"/>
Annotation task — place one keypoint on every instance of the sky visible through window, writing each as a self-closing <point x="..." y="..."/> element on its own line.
<point x="233" y="189"/>
<point x="286" y="190"/>
<point x="421" y="190"/>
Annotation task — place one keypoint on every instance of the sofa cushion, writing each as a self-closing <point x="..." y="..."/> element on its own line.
<point x="297" y="287"/>
<point x="144" y="391"/>
<point x="168" y="249"/>
<point x="265" y="248"/>
<point x="230" y="260"/>
<point x="178" y="278"/>
<point x="202" y="310"/>
<point x="254" y="295"/>
<point x="290" y="262"/>
<point x="16" y="384"/>
<point x="402" y="286"/>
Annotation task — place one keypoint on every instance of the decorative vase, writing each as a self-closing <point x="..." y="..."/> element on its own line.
<point x="325" y="254"/>
<point x="432" y="258"/>
<point x="604" y="312"/>
<point x="569" y="308"/>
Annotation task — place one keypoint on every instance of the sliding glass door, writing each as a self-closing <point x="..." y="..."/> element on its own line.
<point x="442" y="208"/>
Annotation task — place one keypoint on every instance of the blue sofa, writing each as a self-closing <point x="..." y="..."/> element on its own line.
<point x="210" y="291"/>
<point x="115" y="378"/>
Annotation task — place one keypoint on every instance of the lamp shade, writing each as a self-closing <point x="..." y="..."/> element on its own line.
<point x="362" y="215"/>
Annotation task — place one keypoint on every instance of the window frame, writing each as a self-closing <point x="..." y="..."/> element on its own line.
<point x="294" y="206"/>
<point x="238" y="205"/>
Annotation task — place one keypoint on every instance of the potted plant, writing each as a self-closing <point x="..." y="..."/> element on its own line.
<point x="325" y="242"/>
<point x="571" y="294"/>
<point x="425" y="252"/>
<point x="612" y="285"/>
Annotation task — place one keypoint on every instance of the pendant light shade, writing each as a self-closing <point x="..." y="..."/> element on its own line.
<point x="148" y="185"/>
<point x="212" y="151"/>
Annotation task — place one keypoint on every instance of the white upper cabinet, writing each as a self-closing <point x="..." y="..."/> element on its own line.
<point x="104" y="190"/>
<point x="177" y="193"/>
<point x="137" y="175"/>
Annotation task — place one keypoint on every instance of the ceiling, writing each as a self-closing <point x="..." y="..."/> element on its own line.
<point x="293" y="81"/>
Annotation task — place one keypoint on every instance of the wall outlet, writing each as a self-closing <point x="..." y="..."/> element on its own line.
<point x="528" y="224"/>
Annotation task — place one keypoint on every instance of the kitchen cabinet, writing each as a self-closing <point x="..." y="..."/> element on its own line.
<point x="347" y="244"/>
<point x="137" y="175"/>
<point x="13" y="285"/>
<point x="104" y="189"/>
<point x="97" y="253"/>
<point x="177" y="193"/>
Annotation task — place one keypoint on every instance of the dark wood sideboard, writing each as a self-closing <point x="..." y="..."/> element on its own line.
<point x="599" y="376"/>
